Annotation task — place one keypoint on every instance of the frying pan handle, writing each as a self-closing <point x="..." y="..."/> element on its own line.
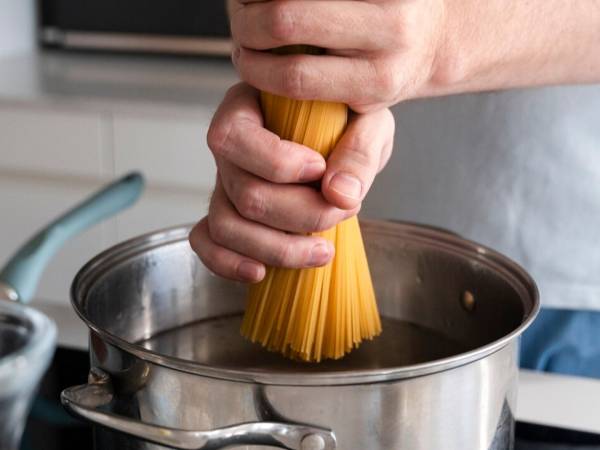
<point x="84" y="401"/>
<point x="19" y="278"/>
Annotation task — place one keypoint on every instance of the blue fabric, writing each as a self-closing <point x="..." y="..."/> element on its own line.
<point x="563" y="341"/>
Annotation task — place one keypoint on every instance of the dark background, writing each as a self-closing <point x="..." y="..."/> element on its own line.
<point x="162" y="17"/>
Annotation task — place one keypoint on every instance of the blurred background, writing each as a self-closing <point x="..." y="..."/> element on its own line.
<point x="90" y="90"/>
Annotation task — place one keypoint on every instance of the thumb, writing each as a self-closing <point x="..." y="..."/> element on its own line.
<point x="360" y="154"/>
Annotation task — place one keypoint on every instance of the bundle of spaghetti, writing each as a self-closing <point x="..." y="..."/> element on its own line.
<point x="324" y="312"/>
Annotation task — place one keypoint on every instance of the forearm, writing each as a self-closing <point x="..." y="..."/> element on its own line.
<point x="502" y="44"/>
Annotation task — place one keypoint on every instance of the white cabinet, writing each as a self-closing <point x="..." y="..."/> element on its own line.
<point x="51" y="142"/>
<point x="171" y="152"/>
<point x="50" y="159"/>
<point x="17" y="26"/>
<point x="159" y="209"/>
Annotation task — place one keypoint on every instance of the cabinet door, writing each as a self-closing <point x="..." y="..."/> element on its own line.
<point x="159" y="209"/>
<point x="171" y="152"/>
<point x="51" y="142"/>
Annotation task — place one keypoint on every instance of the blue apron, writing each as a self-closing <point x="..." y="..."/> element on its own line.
<point x="563" y="341"/>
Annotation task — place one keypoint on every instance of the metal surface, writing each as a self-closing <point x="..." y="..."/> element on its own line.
<point x="26" y="347"/>
<point x="86" y="400"/>
<point x="137" y="42"/>
<point x="164" y="329"/>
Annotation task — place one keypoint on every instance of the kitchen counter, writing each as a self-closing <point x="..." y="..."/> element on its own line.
<point x="115" y="83"/>
<point x="546" y="399"/>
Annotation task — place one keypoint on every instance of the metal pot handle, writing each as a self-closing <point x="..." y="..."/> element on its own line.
<point x="85" y="400"/>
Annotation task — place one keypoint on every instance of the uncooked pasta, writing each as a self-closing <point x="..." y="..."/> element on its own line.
<point x="318" y="313"/>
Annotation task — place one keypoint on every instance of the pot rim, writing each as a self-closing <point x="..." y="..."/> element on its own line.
<point x="512" y="272"/>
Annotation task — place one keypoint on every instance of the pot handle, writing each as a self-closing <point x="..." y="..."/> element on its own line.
<point x="84" y="401"/>
<point x="20" y="276"/>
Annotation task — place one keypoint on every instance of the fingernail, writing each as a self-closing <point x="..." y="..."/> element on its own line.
<point x="313" y="170"/>
<point x="249" y="271"/>
<point x="347" y="185"/>
<point x="320" y="255"/>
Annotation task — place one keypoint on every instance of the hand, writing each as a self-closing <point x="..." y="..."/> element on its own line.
<point x="259" y="199"/>
<point x="378" y="51"/>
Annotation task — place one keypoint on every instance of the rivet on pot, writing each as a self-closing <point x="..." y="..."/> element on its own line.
<point x="312" y="442"/>
<point x="468" y="301"/>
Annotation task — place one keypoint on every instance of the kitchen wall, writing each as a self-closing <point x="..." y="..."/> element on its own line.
<point x="17" y="30"/>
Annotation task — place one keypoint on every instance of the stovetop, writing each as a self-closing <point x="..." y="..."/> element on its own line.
<point x="50" y="428"/>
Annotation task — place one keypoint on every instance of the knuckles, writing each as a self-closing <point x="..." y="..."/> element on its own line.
<point x="250" y="201"/>
<point x="280" y="22"/>
<point x="358" y="149"/>
<point x="227" y="122"/>
<point x="326" y="219"/>
<point x="220" y="227"/>
<point x="225" y="132"/>
<point x="294" y="76"/>
<point x="218" y="138"/>
<point x="388" y="82"/>
<point x="283" y="256"/>
<point x="195" y="237"/>
<point x="282" y="163"/>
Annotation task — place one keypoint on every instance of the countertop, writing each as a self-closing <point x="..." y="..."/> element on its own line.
<point x="113" y="82"/>
<point x="545" y="399"/>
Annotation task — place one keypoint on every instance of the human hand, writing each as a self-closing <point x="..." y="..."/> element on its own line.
<point x="259" y="200"/>
<point x="379" y="52"/>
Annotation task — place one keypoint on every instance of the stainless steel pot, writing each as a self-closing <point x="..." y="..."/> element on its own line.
<point x="169" y="366"/>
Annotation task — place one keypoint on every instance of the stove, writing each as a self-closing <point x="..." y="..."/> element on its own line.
<point x="50" y="428"/>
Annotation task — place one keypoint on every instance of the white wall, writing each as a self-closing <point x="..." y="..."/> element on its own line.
<point x="17" y="26"/>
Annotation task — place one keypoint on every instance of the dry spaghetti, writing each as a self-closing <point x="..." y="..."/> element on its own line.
<point x="324" y="312"/>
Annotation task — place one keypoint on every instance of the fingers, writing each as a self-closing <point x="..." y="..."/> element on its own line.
<point x="323" y="77"/>
<point x="327" y="24"/>
<point x="357" y="158"/>
<point x="222" y="261"/>
<point x="237" y="135"/>
<point x="228" y="229"/>
<point x="293" y="208"/>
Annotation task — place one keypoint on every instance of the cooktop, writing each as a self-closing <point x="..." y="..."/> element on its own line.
<point x="50" y="428"/>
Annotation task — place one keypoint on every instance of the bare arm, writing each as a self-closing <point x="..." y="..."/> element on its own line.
<point x="500" y="44"/>
<point x="381" y="52"/>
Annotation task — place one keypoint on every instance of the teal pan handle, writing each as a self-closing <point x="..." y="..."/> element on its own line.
<point x="24" y="269"/>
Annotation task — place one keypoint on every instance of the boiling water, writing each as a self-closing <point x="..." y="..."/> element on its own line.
<point x="217" y="342"/>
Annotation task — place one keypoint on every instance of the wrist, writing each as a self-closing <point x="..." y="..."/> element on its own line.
<point x="452" y="53"/>
<point x="500" y="44"/>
